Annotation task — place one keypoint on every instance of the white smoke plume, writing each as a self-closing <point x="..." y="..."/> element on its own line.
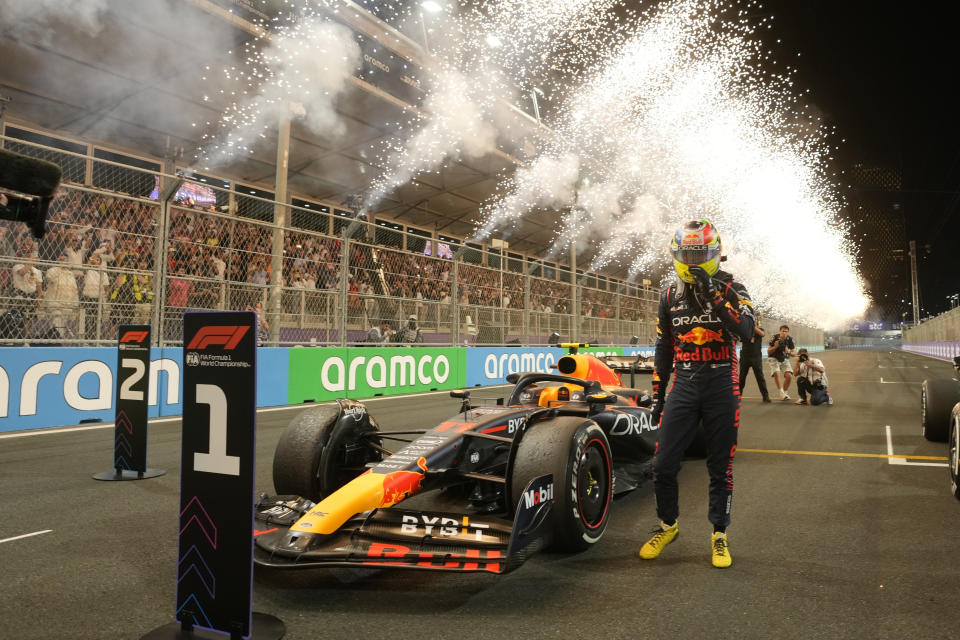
<point x="297" y="73"/>
<point x="39" y="15"/>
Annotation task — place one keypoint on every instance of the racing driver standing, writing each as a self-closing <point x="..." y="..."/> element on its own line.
<point x="701" y="318"/>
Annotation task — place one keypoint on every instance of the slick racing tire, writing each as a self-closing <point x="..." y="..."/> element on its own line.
<point x="937" y="398"/>
<point x="577" y="453"/>
<point x="953" y="451"/>
<point x="320" y="451"/>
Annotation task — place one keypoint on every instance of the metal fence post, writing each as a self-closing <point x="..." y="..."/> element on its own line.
<point x="280" y="222"/>
<point x="341" y="319"/>
<point x="525" y="313"/>
<point x="455" y="302"/>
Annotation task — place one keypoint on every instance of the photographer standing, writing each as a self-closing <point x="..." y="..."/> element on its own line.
<point x="812" y="379"/>
<point x="778" y="360"/>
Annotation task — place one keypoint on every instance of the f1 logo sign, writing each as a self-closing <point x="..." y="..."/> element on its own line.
<point x="225" y="336"/>
<point x="134" y="336"/>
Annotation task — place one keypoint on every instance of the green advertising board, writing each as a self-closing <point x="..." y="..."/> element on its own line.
<point x="603" y="351"/>
<point x="324" y="373"/>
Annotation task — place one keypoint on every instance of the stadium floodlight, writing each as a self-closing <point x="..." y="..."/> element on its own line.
<point x="431" y="6"/>
<point x="493" y="41"/>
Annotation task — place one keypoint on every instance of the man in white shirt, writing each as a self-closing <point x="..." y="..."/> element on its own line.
<point x="61" y="300"/>
<point x="96" y="290"/>
<point x="27" y="285"/>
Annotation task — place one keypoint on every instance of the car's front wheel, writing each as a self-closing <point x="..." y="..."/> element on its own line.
<point x="576" y="452"/>
<point x="937" y="398"/>
<point x="323" y="448"/>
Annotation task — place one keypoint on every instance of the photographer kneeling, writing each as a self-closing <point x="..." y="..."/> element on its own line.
<point x="812" y="379"/>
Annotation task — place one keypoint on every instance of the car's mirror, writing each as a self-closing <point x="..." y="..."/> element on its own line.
<point x="513" y="377"/>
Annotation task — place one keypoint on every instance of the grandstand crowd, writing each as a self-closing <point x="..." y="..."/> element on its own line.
<point x="96" y="267"/>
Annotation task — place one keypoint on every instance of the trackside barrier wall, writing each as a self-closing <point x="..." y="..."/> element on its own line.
<point x="50" y="387"/>
<point x="942" y="350"/>
<point x="938" y="337"/>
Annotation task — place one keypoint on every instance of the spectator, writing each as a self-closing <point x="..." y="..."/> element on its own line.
<point x="75" y="252"/>
<point x="205" y="293"/>
<point x="409" y="333"/>
<point x="61" y="299"/>
<point x="778" y="360"/>
<point x="142" y="291"/>
<point x="178" y="288"/>
<point x="258" y="272"/>
<point x="27" y="284"/>
<point x="263" y="327"/>
<point x="812" y="379"/>
<point x="750" y="357"/>
<point x="379" y="335"/>
<point x="96" y="288"/>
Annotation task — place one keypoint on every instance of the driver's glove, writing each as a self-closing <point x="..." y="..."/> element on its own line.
<point x="656" y="410"/>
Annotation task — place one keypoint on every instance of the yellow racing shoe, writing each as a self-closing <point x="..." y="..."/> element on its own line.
<point x="662" y="536"/>
<point x="721" y="552"/>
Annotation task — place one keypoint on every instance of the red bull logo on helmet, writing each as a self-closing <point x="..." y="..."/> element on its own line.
<point x="701" y="335"/>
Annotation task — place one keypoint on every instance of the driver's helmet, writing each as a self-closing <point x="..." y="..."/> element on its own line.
<point x="696" y="243"/>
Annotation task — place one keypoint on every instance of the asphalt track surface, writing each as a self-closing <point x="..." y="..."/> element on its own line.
<point x="831" y="538"/>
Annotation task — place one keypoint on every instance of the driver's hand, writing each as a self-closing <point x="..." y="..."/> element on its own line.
<point x="656" y="411"/>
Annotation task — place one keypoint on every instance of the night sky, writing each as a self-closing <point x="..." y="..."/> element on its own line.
<point x="882" y="72"/>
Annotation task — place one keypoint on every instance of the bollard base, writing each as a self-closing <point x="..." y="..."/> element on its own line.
<point x="119" y="475"/>
<point x="263" y="627"/>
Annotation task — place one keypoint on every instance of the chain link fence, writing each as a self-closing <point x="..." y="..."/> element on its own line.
<point x="130" y="244"/>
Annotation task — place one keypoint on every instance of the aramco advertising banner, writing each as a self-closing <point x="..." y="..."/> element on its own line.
<point x="324" y="374"/>
<point x="51" y="387"/>
<point x="492" y="365"/>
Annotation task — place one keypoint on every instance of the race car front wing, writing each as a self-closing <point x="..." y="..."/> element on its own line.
<point x="403" y="538"/>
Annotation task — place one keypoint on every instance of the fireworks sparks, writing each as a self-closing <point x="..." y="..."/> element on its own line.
<point x="296" y="69"/>
<point x="656" y="118"/>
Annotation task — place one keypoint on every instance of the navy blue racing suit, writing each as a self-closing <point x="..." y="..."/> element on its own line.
<point x="698" y="339"/>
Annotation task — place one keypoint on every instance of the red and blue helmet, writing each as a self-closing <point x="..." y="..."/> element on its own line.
<point x="696" y="243"/>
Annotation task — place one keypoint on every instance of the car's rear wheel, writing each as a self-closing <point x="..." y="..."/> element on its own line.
<point x="953" y="456"/>
<point x="937" y="398"/>
<point x="576" y="452"/>
<point x="321" y="450"/>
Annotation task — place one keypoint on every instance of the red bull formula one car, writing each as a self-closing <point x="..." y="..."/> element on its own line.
<point x="477" y="492"/>
<point x="940" y="419"/>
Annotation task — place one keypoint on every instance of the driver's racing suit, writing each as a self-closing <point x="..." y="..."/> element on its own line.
<point x="698" y="339"/>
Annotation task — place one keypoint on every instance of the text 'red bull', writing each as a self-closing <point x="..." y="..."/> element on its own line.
<point x="703" y="354"/>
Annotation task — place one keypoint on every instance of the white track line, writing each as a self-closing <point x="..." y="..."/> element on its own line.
<point x="26" y="535"/>
<point x="289" y="407"/>
<point x="882" y="381"/>
<point x="904" y="461"/>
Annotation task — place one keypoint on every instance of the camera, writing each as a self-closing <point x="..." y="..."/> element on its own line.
<point x="803" y="357"/>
